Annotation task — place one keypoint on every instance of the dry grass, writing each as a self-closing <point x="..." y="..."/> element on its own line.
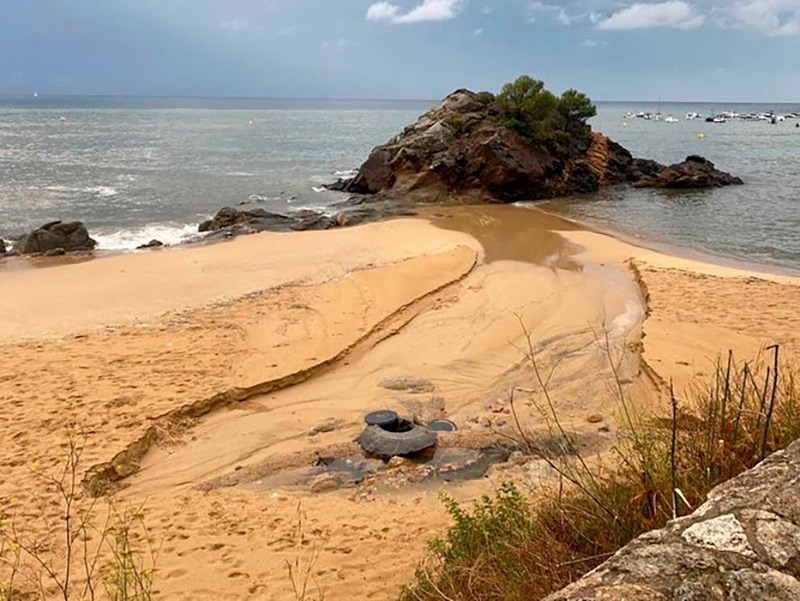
<point x="82" y="551"/>
<point x="511" y="548"/>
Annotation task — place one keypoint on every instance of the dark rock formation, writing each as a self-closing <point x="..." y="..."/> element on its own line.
<point x="259" y="220"/>
<point x="230" y="222"/>
<point x="151" y="244"/>
<point x="743" y="544"/>
<point x="70" y="237"/>
<point x="461" y="151"/>
<point x="2" y="247"/>
<point x="694" y="172"/>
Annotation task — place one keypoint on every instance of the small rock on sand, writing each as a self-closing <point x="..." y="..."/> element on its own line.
<point x="329" y="425"/>
<point x="595" y="418"/>
<point x="396" y="462"/>
<point x="324" y="483"/>
<point x="412" y="385"/>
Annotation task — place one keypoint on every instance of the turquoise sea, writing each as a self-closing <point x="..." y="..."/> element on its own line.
<point x="134" y="169"/>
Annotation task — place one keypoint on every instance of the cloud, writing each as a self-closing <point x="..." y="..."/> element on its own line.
<point x="429" y="10"/>
<point x="674" y="13"/>
<point x="382" y="11"/>
<point x="478" y="31"/>
<point x="771" y="17"/>
<point x="561" y="14"/>
<point x="237" y="24"/>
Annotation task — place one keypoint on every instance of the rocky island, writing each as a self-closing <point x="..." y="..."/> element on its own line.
<point x="524" y="144"/>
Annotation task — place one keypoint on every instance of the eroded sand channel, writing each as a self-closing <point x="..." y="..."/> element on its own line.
<point x="404" y="299"/>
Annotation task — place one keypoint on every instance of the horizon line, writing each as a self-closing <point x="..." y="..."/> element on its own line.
<point x="350" y="99"/>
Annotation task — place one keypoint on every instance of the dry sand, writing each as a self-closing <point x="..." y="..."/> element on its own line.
<point x="111" y="345"/>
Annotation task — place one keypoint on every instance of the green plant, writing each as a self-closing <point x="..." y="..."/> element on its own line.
<point x="515" y="548"/>
<point x="537" y="114"/>
<point x="73" y="555"/>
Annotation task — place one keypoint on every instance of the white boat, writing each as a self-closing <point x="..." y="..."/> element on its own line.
<point x="720" y="119"/>
<point x="671" y="119"/>
<point x="36" y="94"/>
<point x="691" y="116"/>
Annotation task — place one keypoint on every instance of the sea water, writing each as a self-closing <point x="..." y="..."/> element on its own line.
<point x="134" y="169"/>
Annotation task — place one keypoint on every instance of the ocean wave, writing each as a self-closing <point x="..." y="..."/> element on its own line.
<point x="318" y="189"/>
<point x="130" y="239"/>
<point x="349" y="174"/>
<point x="101" y="191"/>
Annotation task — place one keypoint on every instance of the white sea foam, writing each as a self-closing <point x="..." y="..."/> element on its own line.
<point x="318" y="189"/>
<point x="129" y="239"/>
<point x="350" y="173"/>
<point x="101" y="191"/>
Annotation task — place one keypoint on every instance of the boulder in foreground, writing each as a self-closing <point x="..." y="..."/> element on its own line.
<point x="56" y="236"/>
<point x="742" y="544"/>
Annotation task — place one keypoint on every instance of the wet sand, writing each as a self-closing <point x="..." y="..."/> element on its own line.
<point x="113" y="345"/>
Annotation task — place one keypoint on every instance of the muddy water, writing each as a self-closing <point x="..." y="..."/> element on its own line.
<point x="509" y="233"/>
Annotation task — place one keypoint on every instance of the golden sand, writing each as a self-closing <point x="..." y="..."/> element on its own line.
<point x="114" y="345"/>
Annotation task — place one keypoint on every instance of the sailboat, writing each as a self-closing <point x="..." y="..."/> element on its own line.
<point x="36" y="94"/>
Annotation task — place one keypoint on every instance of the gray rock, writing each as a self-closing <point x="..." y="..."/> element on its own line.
<point x="71" y="237"/>
<point x="151" y="244"/>
<point x="2" y="247"/>
<point x="743" y="544"/>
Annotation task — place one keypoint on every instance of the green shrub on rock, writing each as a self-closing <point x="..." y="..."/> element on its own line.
<point x="537" y="114"/>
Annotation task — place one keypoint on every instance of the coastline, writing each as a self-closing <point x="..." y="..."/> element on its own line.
<point x="435" y="297"/>
<point x="669" y="249"/>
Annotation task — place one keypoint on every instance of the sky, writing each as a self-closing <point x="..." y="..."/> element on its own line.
<point x="705" y="50"/>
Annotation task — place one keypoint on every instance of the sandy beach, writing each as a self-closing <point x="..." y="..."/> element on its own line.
<point x="210" y="381"/>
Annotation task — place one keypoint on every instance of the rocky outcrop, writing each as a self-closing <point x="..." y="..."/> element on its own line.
<point x="2" y="247"/>
<point x="743" y="544"/>
<point x="56" y="237"/>
<point x="231" y="222"/>
<point x="151" y="244"/>
<point x="694" y="172"/>
<point x="461" y="150"/>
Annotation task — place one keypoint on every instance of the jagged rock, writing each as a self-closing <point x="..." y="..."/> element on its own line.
<point x="694" y="172"/>
<point x="228" y="217"/>
<point x="151" y="244"/>
<point x="2" y="247"/>
<point x="461" y="151"/>
<point x="50" y="237"/>
<point x="743" y="543"/>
